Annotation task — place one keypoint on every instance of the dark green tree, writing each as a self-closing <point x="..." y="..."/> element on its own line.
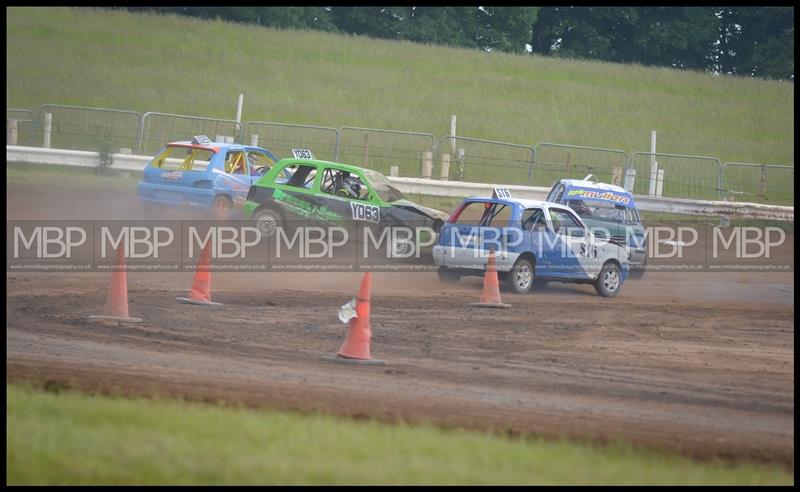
<point x="377" y="22"/>
<point x="757" y="41"/>
<point x="505" y="28"/>
<point x="682" y="37"/>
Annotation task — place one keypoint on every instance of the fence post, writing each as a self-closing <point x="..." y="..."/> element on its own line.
<point x="453" y="133"/>
<point x="48" y="126"/>
<point x="762" y="185"/>
<point x="254" y="140"/>
<point x="444" y="170"/>
<point x="659" y="182"/>
<point x="366" y="148"/>
<point x="530" y="165"/>
<point x="394" y="171"/>
<point x="461" y="163"/>
<point x="427" y="164"/>
<point x="653" y="164"/>
<point x="239" y="113"/>
<point x="630" y="180"/>
<point x="140" y="133"/>
<point x="616" y="175"/>
<point x="11" y="132"/>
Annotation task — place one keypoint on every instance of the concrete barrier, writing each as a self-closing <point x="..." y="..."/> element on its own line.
<point x="431" y="187"/>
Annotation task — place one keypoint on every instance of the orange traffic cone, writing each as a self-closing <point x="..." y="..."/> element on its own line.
<point x="201" y="287"/>
<point x="491" y="287"/>
<point x="355" y="349"/>
<point x="116" y="308"/>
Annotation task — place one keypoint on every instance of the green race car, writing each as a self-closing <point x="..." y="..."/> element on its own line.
<point x="315" y="192"/>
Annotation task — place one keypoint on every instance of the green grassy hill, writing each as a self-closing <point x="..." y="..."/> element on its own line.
<point x="143" y="62"/>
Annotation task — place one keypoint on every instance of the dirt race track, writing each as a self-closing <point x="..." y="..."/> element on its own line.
<point x="702" y="363"/>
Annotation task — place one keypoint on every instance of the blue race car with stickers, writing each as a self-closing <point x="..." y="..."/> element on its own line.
<point x="535" y="242"/>
<point x="609" y="211"/>
<point x="201" y="174"/>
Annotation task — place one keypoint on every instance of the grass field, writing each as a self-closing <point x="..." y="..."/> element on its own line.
<point x="145" y="62"/>
<point x="73" y="438"/>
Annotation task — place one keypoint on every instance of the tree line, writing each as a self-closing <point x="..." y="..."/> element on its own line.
<point x="748" y="41"/>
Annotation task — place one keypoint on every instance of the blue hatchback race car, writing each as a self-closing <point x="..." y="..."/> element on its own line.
<point x="201" y="174"/>
<point x="535" y="242"/>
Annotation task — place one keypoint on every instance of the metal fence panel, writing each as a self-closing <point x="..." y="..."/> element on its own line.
<point x="281" y="138"/>
<point x="26" y="125"/>
<point x="684" y="176"/>
<point x="84" y="128"/>
<point x="158" y="129"/>
<point x="473" y="159"/>
<point x="766" y="183"/>
<point x="558" y="161"/>
<point x="381" y="149"/>
<point x="19" y="114"/>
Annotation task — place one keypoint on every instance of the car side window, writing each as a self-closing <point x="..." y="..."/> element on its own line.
<point x="260" y="163"/>
<point x="533" y="219"/>
<point x="343" y="184"/>
<point x="565" y="224"/>
<point x="501" y="215"/>
<point x="235" y="162"/>
<point x="302" y="175"/>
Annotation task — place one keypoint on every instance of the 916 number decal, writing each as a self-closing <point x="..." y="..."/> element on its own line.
<point x="369" y="213"/>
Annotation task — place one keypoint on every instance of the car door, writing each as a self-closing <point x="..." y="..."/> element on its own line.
<point x="569" y="250"/>
<point x="478" y="226"/>
<point x="296" y="189"/>
<point x="537" y="238"/>
<point x="348" y="194"/>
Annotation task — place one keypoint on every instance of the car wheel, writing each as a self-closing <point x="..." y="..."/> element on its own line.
<point x="609" y="280"/>
<point x="267" y="221"/>
<point x="448" y="275"/>
<point x="520" y="278"/>
<point x="220" y="208"/>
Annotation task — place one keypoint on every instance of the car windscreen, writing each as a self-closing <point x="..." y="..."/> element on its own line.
<point x="603" y="210"/>
<point x="383" y="188"/>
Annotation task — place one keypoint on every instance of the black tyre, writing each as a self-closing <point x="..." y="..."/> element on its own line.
<point x="221" y="208"/>
<point x="448" y="275"/>
<point x="609" y="280"/>
<point x="520" y="278"/>
<point x="267" y="221"/>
